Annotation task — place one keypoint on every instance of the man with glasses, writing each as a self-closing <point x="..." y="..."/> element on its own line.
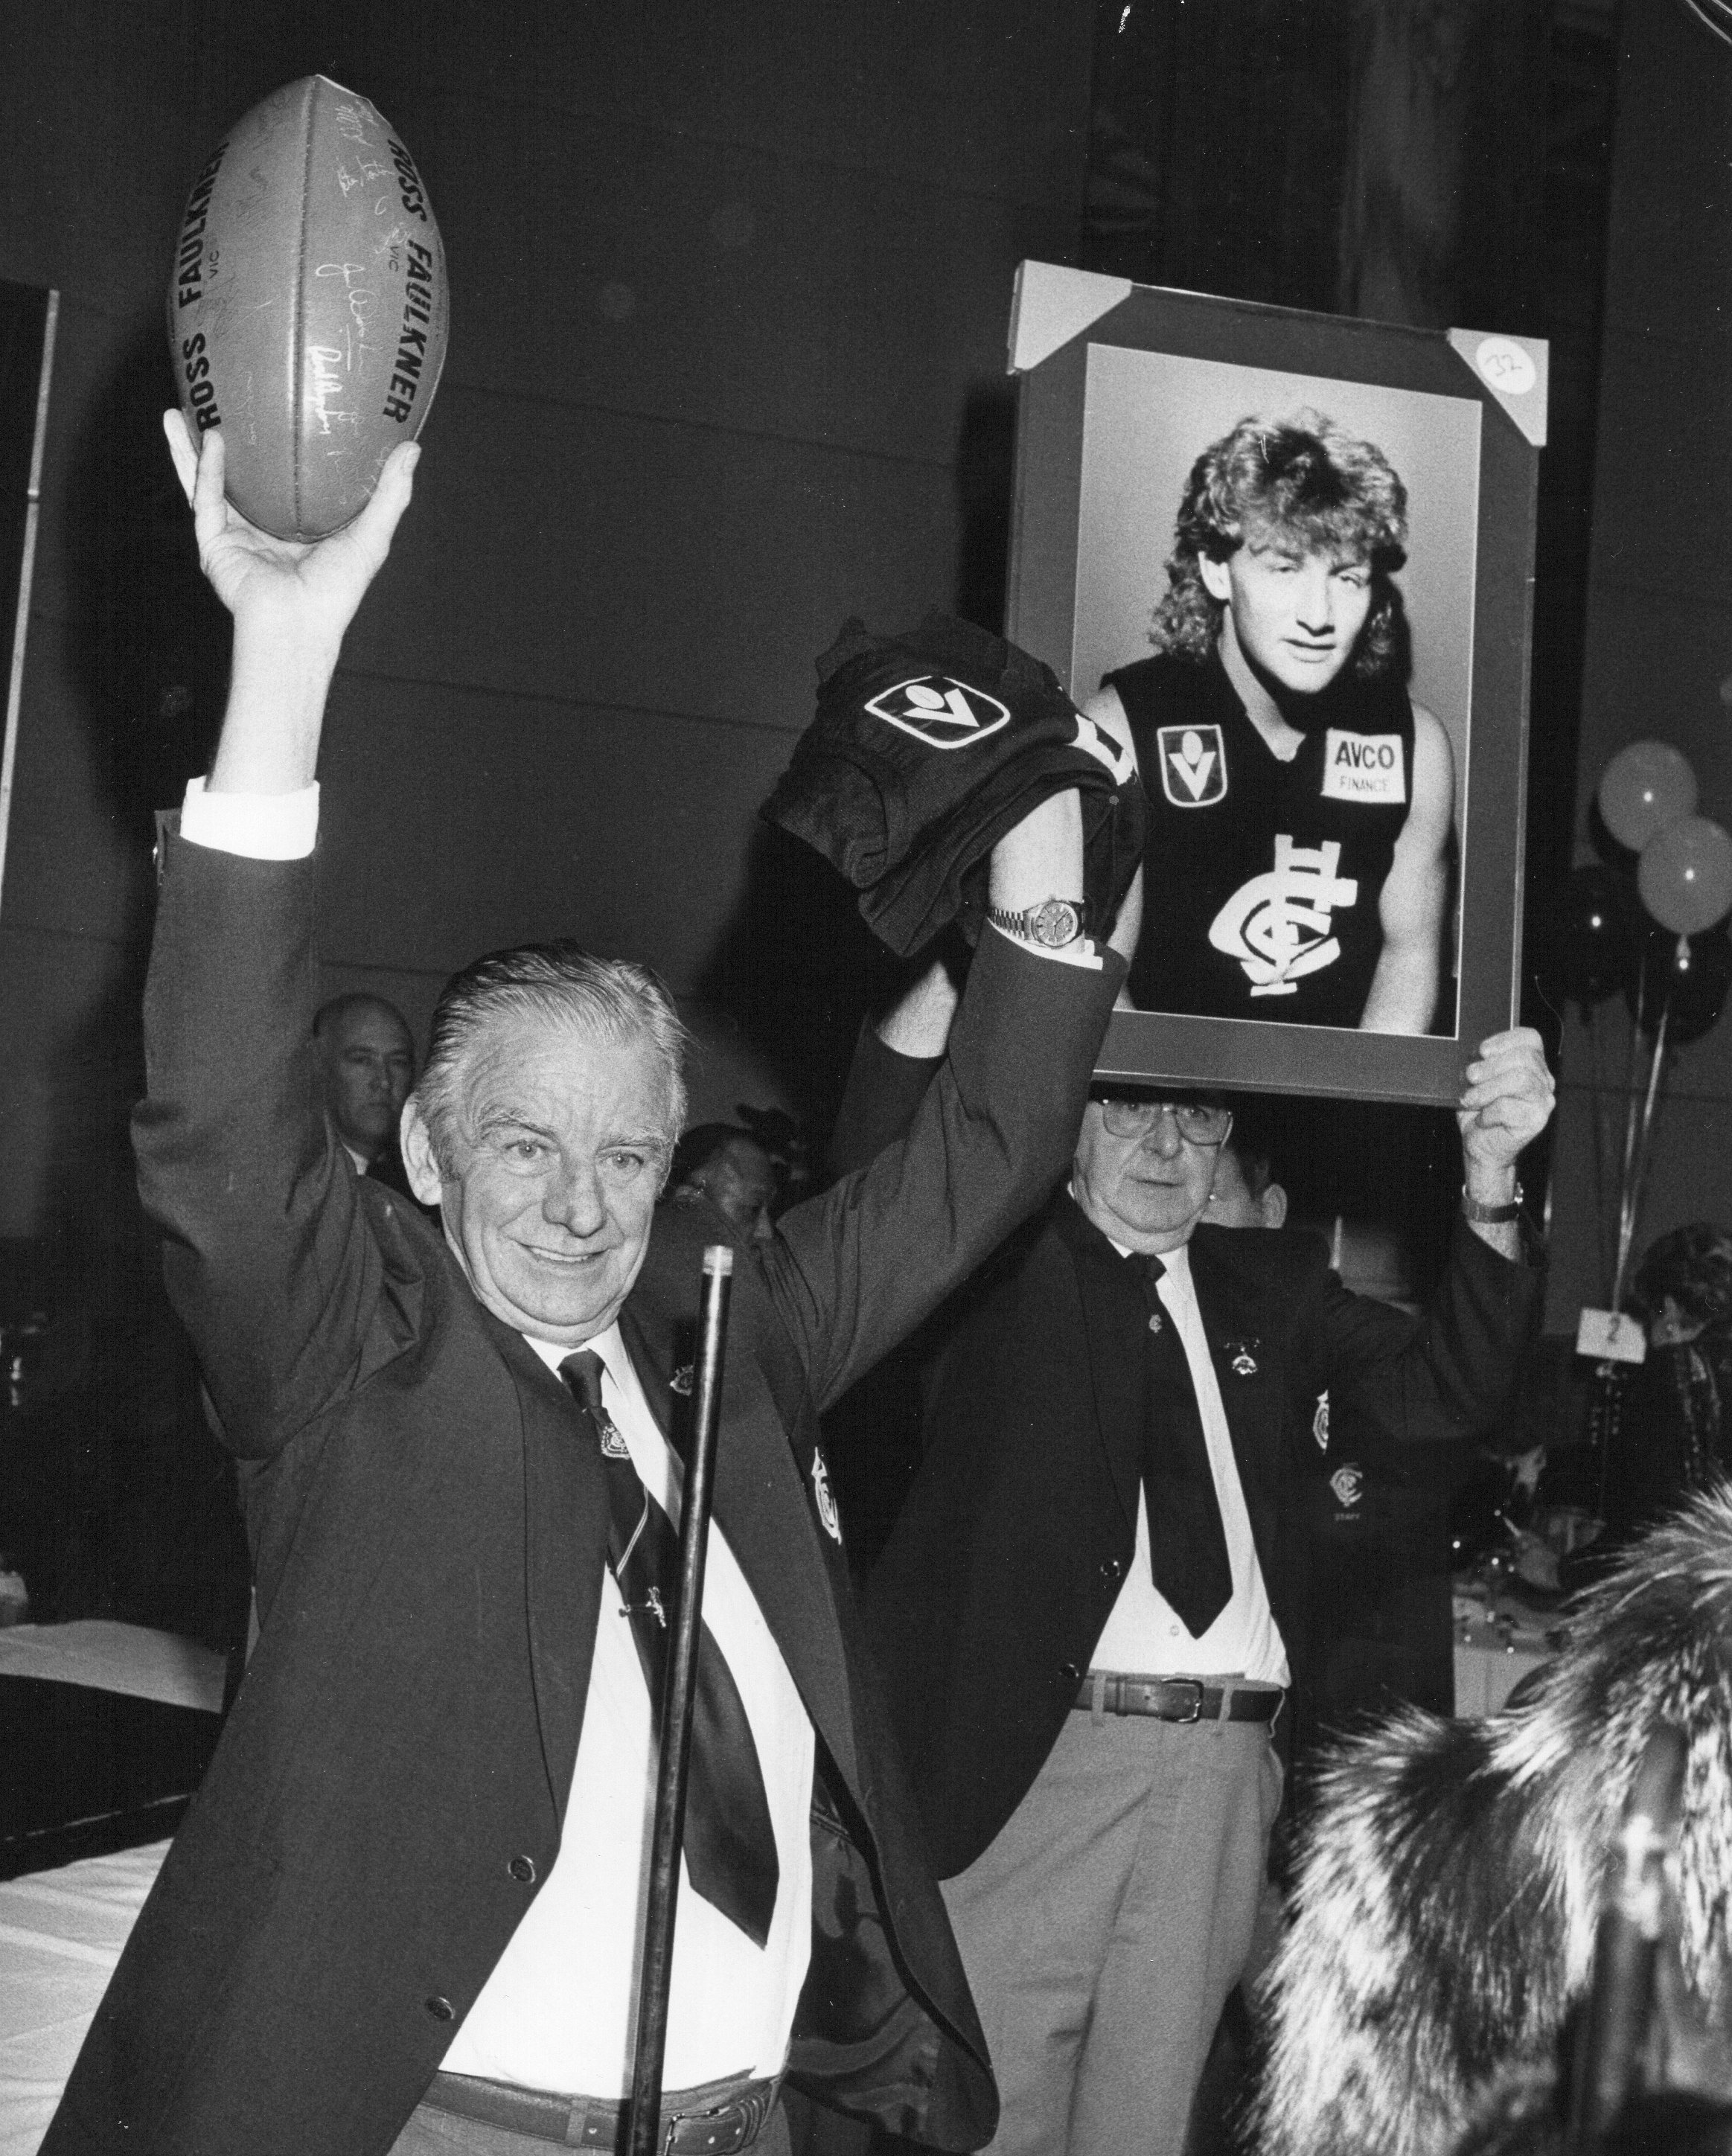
<point x="1088" y="1611"/>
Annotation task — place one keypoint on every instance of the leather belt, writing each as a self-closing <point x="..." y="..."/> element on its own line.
<point x="1178" y="1699"/>
<point x="715" y="2120"/>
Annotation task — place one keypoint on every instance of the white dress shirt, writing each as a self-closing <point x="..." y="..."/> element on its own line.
<point x="1144" y="1635"/>
<point x="558" y="2010"/>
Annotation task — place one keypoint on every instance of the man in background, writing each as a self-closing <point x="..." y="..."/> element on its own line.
<point x="1092" y="1606"/>
<point x="726" y="1164"/>
<point x="1245" y="1193"/>
<point x="366" y="1063"/>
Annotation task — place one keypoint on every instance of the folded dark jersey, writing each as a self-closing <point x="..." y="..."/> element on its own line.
<point x="925" y="749"/>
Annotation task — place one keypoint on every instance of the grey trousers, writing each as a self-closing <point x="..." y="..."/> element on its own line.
<point x="1104" y="1929"/>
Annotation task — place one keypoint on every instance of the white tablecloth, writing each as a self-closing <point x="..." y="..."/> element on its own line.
<point x="61" y="1931"/>
<point x="61" y="1935"/>
<point x="1493" y="1657"/>
<point x="128" y="1658"/>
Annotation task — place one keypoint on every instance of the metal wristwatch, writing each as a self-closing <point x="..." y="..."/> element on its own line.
<point x="1053" y="923"/>
<point x="1490" y="1215"/>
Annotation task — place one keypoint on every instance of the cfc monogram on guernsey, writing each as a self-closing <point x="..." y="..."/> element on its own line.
<point x="1262" y="879"/>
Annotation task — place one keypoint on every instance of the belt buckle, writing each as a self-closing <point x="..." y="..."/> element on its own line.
<point x="722" y="2128"/>
<point x="1196" y="1704"/>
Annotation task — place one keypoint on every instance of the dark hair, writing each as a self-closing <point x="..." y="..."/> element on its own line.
<point x="1255" y="1165"/>
<point x="1302" y="478"/>
<point x="610" y="1000"/>
<point x="1252" y="1141"/>
<point x="704" y="1142"/>
<point x="1693" y="1266"/>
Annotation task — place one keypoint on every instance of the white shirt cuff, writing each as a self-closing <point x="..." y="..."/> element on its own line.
<point x="1082" y="952"/>
<point x="264" y="827"/>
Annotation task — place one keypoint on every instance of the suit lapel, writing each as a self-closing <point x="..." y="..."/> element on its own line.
<point x="565" y="1550"/>
<point x="1110" y="1314"/>
<point x="1247" y="1370"/>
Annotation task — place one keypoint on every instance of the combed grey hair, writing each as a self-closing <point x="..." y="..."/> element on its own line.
<point x="611" y="1000"/>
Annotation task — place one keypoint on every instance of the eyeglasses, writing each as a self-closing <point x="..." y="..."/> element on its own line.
<point x="1198" y="1122"/>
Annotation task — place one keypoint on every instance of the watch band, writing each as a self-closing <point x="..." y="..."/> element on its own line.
<point x="1052" y="924"/>
<point x="1490" y="1215"/>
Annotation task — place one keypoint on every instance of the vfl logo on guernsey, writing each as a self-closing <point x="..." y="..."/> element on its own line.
<point x="1277" y="926"/>
<point x="1364" y="767"/>
<point x="942" y="713"/>
<point x="1122" y="764"/>
<point x="1194" y="766"/>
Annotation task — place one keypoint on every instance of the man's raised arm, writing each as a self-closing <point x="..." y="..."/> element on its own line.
<point x="268" y="1259"/>
<point x="292" y="603"/>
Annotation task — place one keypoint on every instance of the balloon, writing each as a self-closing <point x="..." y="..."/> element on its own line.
<point x="1643" y="788"/>
<point x="1694" y="979"/>
<point x="1685" y="875"/>
<point x="1585" y="937"/>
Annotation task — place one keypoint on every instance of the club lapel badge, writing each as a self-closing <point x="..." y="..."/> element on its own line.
<point x="682" y="1381"/>
<point x="825" y="1498"/>
<point x="1241" y="1356"/>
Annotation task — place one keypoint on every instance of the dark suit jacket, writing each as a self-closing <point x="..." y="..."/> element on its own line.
<point x="993" y="1589"/>
<point x="388" y="1172"/>
<point x="428" y="1539"/>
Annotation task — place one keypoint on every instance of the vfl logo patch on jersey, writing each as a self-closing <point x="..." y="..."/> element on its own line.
<point x="1369" y="767"/>
<point x="1194" y="766"/>
<point x="1093" y="743"/>
<point x="942" y="713"/>
<point x="1277" y="926"/>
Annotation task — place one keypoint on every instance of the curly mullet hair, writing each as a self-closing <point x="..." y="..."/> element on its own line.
<point x="1302" y="477"/>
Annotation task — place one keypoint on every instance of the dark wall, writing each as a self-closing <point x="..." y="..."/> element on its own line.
<point x="730" y="285"/>
<point x="1659" y="644"/>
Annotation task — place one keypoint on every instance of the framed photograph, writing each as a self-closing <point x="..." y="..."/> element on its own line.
<point x="1287" y="558"/>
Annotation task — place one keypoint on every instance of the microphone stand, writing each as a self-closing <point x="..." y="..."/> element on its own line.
<point x="643" y="2132"/>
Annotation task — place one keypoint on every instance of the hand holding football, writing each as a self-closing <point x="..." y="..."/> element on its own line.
<point x="307" y="310"/>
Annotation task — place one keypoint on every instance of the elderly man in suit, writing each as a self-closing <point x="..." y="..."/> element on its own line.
<point x="1089" y="1613"/>
<point x="402" y="1912"/>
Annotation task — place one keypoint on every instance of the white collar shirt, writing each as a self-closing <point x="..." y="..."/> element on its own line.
<point x="558" y="2010"/>
<point x="1144" y="1635"/>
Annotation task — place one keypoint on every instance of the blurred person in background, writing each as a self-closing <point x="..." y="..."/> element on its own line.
<point x="367" y="1065"/>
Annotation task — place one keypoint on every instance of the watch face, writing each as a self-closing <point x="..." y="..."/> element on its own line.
<point x="1055" y="920"/>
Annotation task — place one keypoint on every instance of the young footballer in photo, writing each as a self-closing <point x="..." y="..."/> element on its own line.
<point x="1300" y="804"/>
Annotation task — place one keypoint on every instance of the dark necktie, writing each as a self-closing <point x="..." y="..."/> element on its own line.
<point x="729" y="1846"/>
<point x="1187" y="1543"/>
